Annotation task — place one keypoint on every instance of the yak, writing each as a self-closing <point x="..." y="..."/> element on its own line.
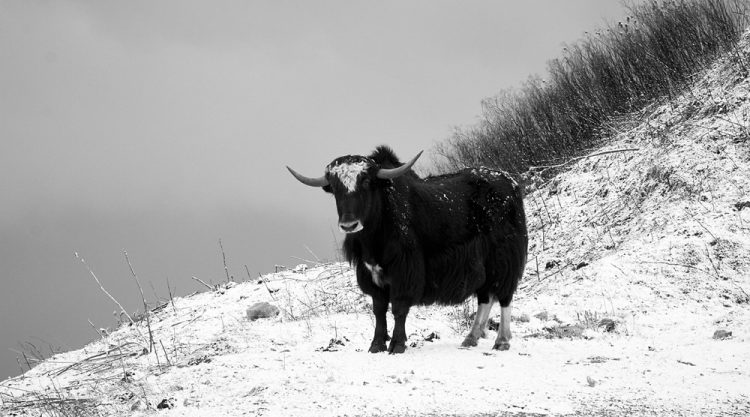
<point x="419" y="241"/>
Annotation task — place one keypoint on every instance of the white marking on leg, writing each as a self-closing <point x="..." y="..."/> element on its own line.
<point x="503" y="334"/>
<point x="377" y="274"/>
<point x="476" y="331"/>
<point x="482" y="311"/>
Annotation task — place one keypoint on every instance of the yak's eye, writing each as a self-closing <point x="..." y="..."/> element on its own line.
<point x="366" y="183"/>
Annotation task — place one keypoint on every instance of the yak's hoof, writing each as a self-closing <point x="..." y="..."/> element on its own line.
<point x="396" y="347"/>
<point x="469" y="341"/>
<point x="484" y="334"/>
<point x="501" y="346"/>
<point x="377" y="347"/>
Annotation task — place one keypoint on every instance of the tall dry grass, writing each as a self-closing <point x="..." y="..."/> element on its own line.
<point x="618" y="70"/>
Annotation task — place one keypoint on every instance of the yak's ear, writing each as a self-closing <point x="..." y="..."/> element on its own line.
<point x="327" y="188"/>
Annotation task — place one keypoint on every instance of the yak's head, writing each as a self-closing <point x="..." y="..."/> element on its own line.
<point x="356" y="182"/>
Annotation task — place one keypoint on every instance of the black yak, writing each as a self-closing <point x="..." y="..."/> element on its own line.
<point x="417" y="241"/>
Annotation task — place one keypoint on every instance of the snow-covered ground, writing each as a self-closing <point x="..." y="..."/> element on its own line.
<point x="637" y="257"/>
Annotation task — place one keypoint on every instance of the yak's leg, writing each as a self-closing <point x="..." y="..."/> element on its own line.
<point x="486" y="316"/>
<point x="379" y="308"/>
<point x="400" y="311"/>
<point x="503" y="332"/>
<point x="480" y="321"/>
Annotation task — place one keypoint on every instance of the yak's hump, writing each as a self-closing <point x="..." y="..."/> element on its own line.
<point x="384" y="156"/>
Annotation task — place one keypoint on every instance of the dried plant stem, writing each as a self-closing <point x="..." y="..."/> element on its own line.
<point x="201" y="281"/>
<point x="171" y="300"/>
<point x="165" y="353"/>
<point x="145" y="306"/>
<point x="266" y="285"/>
<point x="104" y="290"/>
<point x="313" y="254"/>
<point x="546" y="167"/>
<point x="224" y="259"/>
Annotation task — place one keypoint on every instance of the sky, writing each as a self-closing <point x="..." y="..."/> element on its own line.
<point x="161" y="127"/>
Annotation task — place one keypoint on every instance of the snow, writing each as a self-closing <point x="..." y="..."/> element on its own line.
<point x="653" y="241"/>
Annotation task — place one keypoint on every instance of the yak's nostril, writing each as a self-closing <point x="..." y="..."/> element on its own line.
<point x="350" y="227"/>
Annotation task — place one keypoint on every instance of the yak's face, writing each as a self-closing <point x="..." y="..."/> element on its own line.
<point x="352" y="181"/>
<point x="356" y="182"/>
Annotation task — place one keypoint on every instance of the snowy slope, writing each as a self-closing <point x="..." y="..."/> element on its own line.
<point x="636" y="258"/>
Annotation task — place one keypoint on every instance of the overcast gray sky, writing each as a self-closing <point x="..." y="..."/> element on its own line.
<point x="161" y="126"/>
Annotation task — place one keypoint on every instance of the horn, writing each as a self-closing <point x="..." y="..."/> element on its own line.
<point x="391" y="173"/>
<point x="312" y="182"/>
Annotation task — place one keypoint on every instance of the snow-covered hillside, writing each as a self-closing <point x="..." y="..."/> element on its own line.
<point x="639" y="268"/>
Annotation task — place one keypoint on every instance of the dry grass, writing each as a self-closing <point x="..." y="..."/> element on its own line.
<point x="621" y="69"/>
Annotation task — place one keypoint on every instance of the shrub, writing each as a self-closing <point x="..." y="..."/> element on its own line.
<point x="616" y="71"/>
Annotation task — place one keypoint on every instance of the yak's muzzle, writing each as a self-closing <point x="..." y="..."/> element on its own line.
<point x="351" y="227"/>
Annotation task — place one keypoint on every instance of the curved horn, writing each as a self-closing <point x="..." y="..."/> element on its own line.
<point x="391" y="173"/>
<point x="312" y="182"/>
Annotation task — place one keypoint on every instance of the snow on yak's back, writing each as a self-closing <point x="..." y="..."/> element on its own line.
<point x="420" y="241"/>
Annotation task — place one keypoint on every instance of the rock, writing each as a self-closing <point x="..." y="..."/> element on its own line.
<point x="262" y="310"/>
<point x="430" y="337"/>
<point x="167" y="403"/>
<point x="608" y="325"/>
<point x="493" y="324"/>
<point x="333" y="345"/>
<point x="591" y="381"/>
<point x="722" y="334"/>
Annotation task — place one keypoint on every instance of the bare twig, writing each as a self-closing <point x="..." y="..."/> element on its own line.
<point x="224" y="259"/>
<point x="95" y="329"/>
<point x="675" y="264"/>
<point x="210" y="287"/>
<point x="312" y="253"/>
<point x="700" y="224"/>
<point x="143" y="299"/>
<point x="266" y="285"/>
<point x="307" y="260"/>
<point x="165" y="353"/>
<point x="716" y="270"/>
<point x="248" y="273"/>
<point x="122" y="309"/>
<point x="171" y="300"/>
<point x="546" y="167"/>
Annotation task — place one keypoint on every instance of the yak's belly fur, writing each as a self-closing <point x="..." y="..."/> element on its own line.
<point x="455" y="274"/>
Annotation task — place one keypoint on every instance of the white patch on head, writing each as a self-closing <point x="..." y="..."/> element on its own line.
<point x="348" y="173"/>
<point x="377" y="274"/>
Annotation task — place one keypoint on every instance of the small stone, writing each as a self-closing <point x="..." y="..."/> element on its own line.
<point x="722" y="334"/>
<point x="608" y="325"/>
<point x="591" y="381"/>
<point x="432" y="336"/>
<point x="167" y="403"/>
<point x="262" y="310"/>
